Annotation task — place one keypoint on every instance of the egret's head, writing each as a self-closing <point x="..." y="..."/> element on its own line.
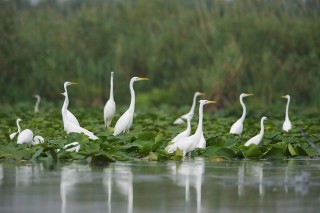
<point x="36" y="96"/>
<point x="245" y="95"/>
<point x="139" y="79"/>
<point x="67" y="83"/>
<point x="203" y="102"/>
<point x="286" y="96"/>
<point x="264" y="118"/>
<point x="19" y="119"/>
<point x="199" y="94"/>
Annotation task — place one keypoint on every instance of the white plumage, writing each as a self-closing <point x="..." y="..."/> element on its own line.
<point x="110" y="107"/>
<point x="69" y="126"/>
<point x="184" y="117"/>
<point x="237" y="127"/>
<point x="125" y="121"/>
<point x="257" y="139"/>
<point x="188" y="144"/>
<point x="287" y="123"/>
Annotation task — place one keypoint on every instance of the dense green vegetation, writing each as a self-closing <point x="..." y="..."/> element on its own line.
<point x="152" y="131"/>
<point x="223" y="48"/>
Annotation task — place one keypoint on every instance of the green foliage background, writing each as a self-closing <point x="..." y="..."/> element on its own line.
<point x="223" y="48"/>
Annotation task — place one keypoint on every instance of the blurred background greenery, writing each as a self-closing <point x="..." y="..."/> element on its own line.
<point x="223" y="48"/>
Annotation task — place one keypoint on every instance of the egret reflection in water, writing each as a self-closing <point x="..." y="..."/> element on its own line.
<point x="122" y="179"/>
<point x="189" y="173"/>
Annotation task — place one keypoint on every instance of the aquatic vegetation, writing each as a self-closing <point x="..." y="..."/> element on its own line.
<point x="151" y="133"/>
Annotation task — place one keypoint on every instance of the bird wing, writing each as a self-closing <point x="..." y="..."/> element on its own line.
<point x="108" y="112"/>
<point x="72" y="118"/>
<point x="178" y="121"/>
<point x="25" y="136"/>
<point x="255" y="140"/>
<point x="124" y="123"/>
<point x="202" y="144"/>
<point x="12" y="135"/>
<point x="70" y="127"/>
<point x="181" y="135"/>
<point x="237" y="128"/>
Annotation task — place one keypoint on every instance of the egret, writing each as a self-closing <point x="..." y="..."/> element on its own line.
<point x="70" y="116"/>
<point x="68" y="125"/>
<point x="257" y="139"/>
<point x="26" y="136"/>
<point x="287" y="123"/>
<point x="185" y="133"/>
<point x="110" y="107"/>
<point x="125" y="121"/>
<point x="36" y="106"/>
<point x="188" y="144"/>
<point x="237" y="127"/>
<point x="181" y="119"/>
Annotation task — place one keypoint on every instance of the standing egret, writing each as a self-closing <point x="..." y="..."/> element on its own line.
<point x="68" y="125"/>
<point x="110" y="107"/>
<point x="287" y="123"/>
<point x="36" y="106"/>
<point x="181" y="119"/>
<point x="70" y="116"/>
<point x="237" y="127"/>
<point x="185" y="133"/>
<point x="257" y="139"/>
<point x="125" y="121"/>
<point x="188" y="144"/>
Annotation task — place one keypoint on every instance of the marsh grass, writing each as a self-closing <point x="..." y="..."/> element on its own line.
<point x="223" y="48"/>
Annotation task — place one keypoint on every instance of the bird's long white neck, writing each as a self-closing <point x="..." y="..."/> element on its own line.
<point x="18" y="125"/>
<point x="199" y="128"/>
<point x="193" y="103"/>
<point x="65" y="107"/>
<point x="36" y="107"/>
<point x="133" y="97"/>
<point x="287" y="109"/>
<point x="244" y="110"/>
<point x="262" y="127"/>
<point x="111" y="86"/>
<point x="188" y="124"/>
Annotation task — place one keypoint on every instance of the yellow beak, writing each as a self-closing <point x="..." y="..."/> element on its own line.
<point x="211" y="102"/>
<point x="283" y="97"/>
<point x="201" y="93"/>
<point x="249" y="94"/>
<point x="143" y="79"/>
<point x="73" y="83"/>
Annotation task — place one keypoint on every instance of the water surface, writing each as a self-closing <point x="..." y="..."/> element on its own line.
<point x="193" y="185"/>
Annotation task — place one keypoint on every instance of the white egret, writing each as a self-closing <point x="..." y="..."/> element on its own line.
<point x="36" y="106"/>
<point x="237" y="127"/>
<point x="287" y="123"/>
<point x="184" y="117"/>
<point x="257" y="139"/>
<point x="110" y="107"/>
<point x="203" y="143"/>
<point x="68" y="125"/>
<point x="185" y="133"/>
<point x="26" y="136"/>
<point x="70" y="116"/>
<point x="125" y="121"/>
<point x="188" y="144"/>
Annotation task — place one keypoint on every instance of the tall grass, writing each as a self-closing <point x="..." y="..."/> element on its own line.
<point x="269" y="48"/>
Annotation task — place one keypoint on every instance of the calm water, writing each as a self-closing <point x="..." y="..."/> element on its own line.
<point x="189" y="186"/>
